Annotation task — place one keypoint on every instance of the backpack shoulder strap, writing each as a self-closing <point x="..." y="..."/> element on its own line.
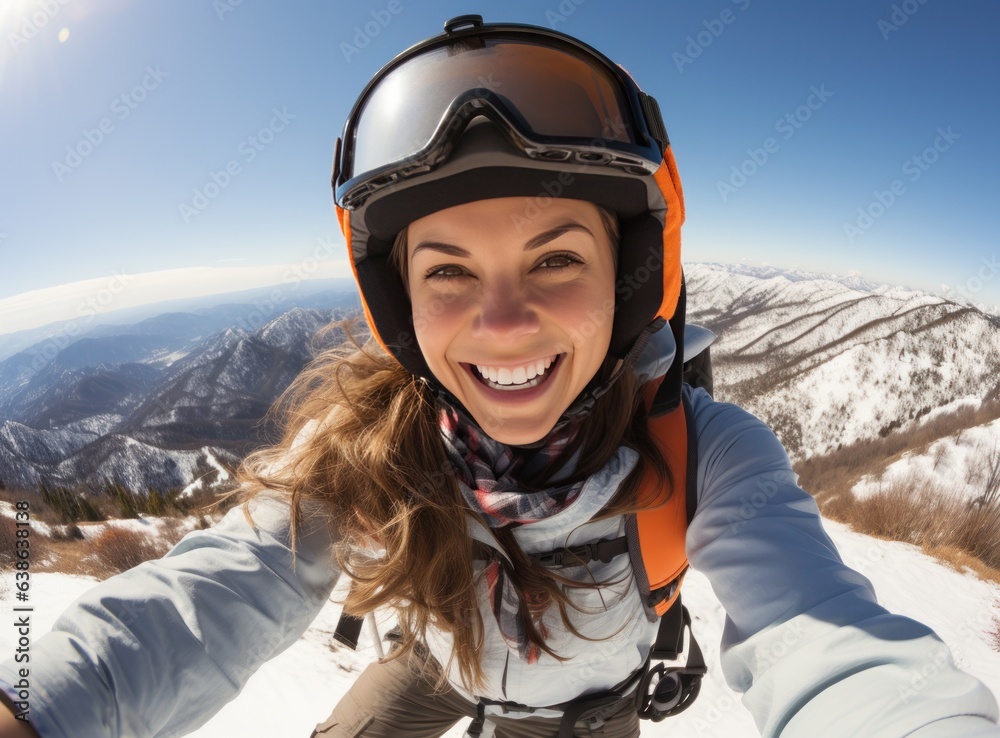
<point x="667" y="691"/>
<point x="656" y="533"/>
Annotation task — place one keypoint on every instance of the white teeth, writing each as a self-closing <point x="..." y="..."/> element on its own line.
<point x="520" y="375"/>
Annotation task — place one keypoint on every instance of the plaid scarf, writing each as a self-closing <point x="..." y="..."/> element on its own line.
<point x="488" y="473"/>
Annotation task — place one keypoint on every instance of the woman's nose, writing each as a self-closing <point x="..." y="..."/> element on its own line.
<point x="505" y="314"/>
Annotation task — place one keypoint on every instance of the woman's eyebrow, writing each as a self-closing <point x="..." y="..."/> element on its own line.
<point x="553" y="233"/>
<point x="533" y="243"/>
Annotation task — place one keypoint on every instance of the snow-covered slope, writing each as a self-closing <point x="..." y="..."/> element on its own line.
<point x="962" y="465"/>
<point x="826" y="364"/>
<point x="299" y="688"/>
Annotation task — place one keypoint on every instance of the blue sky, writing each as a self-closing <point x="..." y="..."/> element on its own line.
<point x="844" y="137"/>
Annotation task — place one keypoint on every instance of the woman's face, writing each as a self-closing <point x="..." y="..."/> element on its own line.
<point x="513" y="313"/>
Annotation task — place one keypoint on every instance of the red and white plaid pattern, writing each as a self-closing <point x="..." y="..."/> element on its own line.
<point x="488" y="472"/>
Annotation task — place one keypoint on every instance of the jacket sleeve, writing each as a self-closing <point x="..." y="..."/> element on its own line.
<point x="805" y="639"/>
<point x="159" y="649"/>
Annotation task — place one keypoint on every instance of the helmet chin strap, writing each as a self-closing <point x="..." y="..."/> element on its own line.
<point x="582" y="406"/>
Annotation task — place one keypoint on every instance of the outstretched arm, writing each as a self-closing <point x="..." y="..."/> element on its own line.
<point x="805" y="638"/>
<point x="159" y="649"/>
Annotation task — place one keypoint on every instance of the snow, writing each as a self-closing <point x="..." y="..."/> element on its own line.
<point x="950" y="465"/>
<point x="171" y="358"/>
<point x="195" y="486"/>
<point x="826" y="364"/>
<point x="297" y="689"/>
<point x="223" y="473"/>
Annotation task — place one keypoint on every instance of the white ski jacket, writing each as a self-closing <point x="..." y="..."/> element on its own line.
<point x="158" y="650"/>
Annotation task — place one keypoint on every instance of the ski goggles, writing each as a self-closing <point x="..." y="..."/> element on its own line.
<point x="556" y="98"/>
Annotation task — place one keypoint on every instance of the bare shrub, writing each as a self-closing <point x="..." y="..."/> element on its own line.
<point x="120" y="549"/>
<point x="911" y="510"/>
<point x="977" y="530"/>
<point x="960" y="533"/>
<point x="837" y="506"/>
<point x="984" y="474"/>
<point x="904" y="510"/>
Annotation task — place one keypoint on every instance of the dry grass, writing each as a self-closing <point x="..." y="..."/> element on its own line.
<point x="119" y="549"/>
<point x="114" y="550"/>
<point x="66" y="549"/>
<point x="957" y="532"/>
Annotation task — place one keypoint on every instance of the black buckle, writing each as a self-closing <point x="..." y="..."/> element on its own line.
<point x="603" y="551"/>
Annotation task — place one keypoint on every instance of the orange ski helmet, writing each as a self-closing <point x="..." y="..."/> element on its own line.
<point x="501" y="110"/>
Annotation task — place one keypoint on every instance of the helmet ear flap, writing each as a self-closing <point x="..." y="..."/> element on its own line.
<point x="638" y="290"/>
<point x="649" y="270"/>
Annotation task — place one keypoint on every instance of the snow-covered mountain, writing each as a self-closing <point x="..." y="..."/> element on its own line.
<point x="827" y="364"/>
<point x="153" y="405"/>
<point x="825" y="360"/>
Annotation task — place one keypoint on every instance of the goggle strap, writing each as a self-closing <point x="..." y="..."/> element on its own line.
<point x="654" y="118"/>
<point x="336" y="164"/>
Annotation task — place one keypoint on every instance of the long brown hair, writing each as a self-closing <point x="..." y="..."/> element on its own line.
<point x="361" y="436"/>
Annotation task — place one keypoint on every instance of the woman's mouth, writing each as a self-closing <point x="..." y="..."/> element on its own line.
<point x="512" y="378"/>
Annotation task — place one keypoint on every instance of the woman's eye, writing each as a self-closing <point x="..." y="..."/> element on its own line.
<point x="445" y="272"/>
<point x="559" y="261"/>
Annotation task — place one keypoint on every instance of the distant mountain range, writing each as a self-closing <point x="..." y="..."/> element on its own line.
<point x="827" y="362"/>
<point x="157" y="403"/>
<point x="170" y="398"/>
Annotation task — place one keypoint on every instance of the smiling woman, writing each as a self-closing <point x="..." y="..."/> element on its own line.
<point x="493" y="304"/>
<point x="512" y="465"/>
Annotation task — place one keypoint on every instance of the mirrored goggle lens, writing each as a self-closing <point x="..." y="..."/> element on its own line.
<point x="554" y="93"/>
